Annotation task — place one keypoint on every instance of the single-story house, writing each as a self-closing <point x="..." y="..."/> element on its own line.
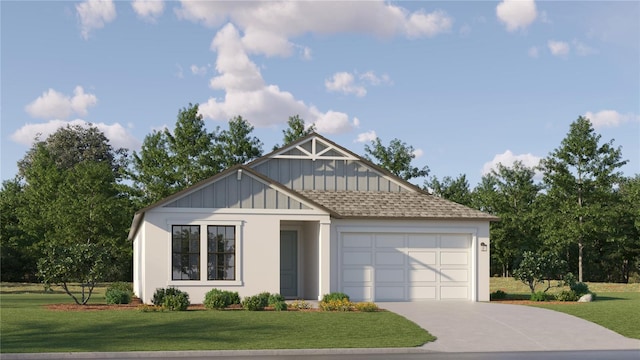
<point x="308" y="219"/>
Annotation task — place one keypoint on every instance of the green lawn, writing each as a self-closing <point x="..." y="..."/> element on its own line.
<point x="616" y="306"/>
<point x="27" y="326"/>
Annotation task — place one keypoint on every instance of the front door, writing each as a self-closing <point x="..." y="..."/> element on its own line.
<point x="289" y="263"/>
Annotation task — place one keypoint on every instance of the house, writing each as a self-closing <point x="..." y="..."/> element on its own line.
<point x="308" y="219"/>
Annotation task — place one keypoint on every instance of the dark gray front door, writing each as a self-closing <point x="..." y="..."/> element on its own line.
<point x="289" y="263"/>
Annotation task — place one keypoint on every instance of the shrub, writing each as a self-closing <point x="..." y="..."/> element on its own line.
<point x="498" y="294"/>
<point x="580" y="288"/>
<point x="275" y="298"/>
<point x="149" y="308"/>
<point x="256" y="302"/>
<point x="119" y="293"/>
<point x="567" y="295"/>
<point x="279" y="306"/>
<point x="538" y="296"/>
<point x="220" y="299"/>
<point x="300" y="305"/>
<point x="171" y="299"/>
<point x="336" y="305"/>
<point x="366" y="307"/>
<point x="335" y="296"/>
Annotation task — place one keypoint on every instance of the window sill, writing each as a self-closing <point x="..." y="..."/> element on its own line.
<point x="207" y="283"/>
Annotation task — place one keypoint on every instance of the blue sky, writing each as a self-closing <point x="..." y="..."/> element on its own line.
<point x="468" y="84"/>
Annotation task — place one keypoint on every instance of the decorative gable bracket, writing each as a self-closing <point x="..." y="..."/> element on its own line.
<point x="313" y="149"/>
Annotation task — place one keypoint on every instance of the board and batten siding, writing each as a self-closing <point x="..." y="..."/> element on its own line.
<point x="327" y="175"/>
<point x="246" y="193"/>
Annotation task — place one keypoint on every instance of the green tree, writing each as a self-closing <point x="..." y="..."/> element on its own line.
<point x="295" y="130"/>
<point x="83" y="263"/>
<point x="17" y="261"/>
<point x="236" y="145"/>
<point x="537" y="268"/>
<point x="510" y="193"/>
<point x="169" y="162"/>
<point x="75" y="198"/>
<point x="396" y="158"/>
<point x="451" y="189"/>
<point x="579" y="178"/>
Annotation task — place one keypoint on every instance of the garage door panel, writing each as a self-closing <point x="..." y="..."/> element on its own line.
<point x="422" y="257"/>
<point x="356" y="258"/>
<point x="454" y="292"/>
<point x="390" y="275"/>
<point x="389" y="240"/>
<point x="422" y="293"/>
<point x="357" y="240"/>
<point x="389" y="258"/>
<point x="422" y="241"/>
<point x="454" y="258"/>
<point x="417" y="275"/>
<point x="389" y="293"/>
<point x="359" y="293"/>
<point x="454" y="275"/>
<point x="357" y="275"/>
<point x="454" y="241"/>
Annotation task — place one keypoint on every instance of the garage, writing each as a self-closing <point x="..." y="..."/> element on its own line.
<point x="395" y="266"/>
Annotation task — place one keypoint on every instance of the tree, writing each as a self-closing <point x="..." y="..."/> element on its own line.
<point x="510" y="193"/>
<point x="579" y="179"/>
<point x="536" y="268"/>
<point x="84" y="263"/>
<point x="451" y="189"/>
<point x="17" y="261"/>
<point x="169" y="162"/>
<point x="396" y="158"/>
<point x="295" y="131"/>
<point x="236" y="145"/>
<point x="71" y="194"/>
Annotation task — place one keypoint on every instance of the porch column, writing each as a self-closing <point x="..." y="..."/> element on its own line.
<point x="324" y="260"/>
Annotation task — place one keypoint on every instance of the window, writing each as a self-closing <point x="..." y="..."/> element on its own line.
<point x="185" y="244"/>
<point x="221" y="248"/>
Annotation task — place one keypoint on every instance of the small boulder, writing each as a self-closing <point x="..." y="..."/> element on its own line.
<point x="586" y="298"/>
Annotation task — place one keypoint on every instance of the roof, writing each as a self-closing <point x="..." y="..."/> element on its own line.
<point x="405" y="205"/>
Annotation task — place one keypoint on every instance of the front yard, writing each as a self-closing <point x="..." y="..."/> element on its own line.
<point x="28" y="326"/>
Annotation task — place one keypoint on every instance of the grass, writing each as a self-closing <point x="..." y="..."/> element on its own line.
<point x="616" y="306"/>
<point x="27" y="326"/>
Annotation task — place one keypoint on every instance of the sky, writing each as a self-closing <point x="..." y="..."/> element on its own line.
<point x="467" y="84"/>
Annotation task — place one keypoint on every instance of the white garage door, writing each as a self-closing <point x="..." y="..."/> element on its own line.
<point x="405" y="267"/>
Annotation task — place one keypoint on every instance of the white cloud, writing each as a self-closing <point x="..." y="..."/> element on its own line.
<point x="583" y="49"/>
<point x="558" y="48"/>
<point x="247" y="94"/>
<point x="374" y="79"/>
<point x="533" y="52"/>
<point x="366" y="137"/>
<point x="117" y="134"/>
<point x="95" y="14"/>
<point x="268" y="26"/>
<point x="179" y="72"/>
<point x="344" y="82"/>
<point x="609" y="118"/>
<point x="52" y="104"/>
<point x="517" y="14"/>
<point x="418" y="153"/>
<point x="148" y="10"/>
<point x="199" y="70"/>
<point x="508" y="158"/>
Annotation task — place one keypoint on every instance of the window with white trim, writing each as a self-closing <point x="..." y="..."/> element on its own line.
<point x="221" y="252"/>
<point x="185" y="252"/>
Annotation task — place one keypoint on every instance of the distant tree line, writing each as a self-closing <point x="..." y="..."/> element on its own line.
<point x="75" y="191"/>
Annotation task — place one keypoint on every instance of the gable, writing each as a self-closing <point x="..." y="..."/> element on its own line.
<point x="315" y="163"/>
<point x="240" y="190"/>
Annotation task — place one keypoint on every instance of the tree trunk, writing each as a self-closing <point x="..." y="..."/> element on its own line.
<point x="580" y="246"/>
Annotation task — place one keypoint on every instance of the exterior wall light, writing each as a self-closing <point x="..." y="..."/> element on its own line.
<point x="483" y="246"/>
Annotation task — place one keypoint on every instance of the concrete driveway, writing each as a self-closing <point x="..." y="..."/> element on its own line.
<point x="480" y="327"/>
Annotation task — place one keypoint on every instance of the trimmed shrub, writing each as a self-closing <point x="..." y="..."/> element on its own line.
<point x="275" y="298"/>
<point x="256" y="302"/>
<point x="335" y="296"/>
<point x="366" y="307"/>
<point x="498" y="294"/>
<point x="336" y="305"/>
<point x="538" y="296"/>
<point x="279" y="306"/>
<point x="171" y="298"/>
<point x="220" y="299"/>
<point x="567" y="295"/>
<point x="119" y="293"/>
<point x="580" y="288"/>
<point x="300" y="305"/>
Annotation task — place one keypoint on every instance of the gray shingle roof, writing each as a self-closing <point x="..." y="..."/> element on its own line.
<point x="409" y="205"/>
